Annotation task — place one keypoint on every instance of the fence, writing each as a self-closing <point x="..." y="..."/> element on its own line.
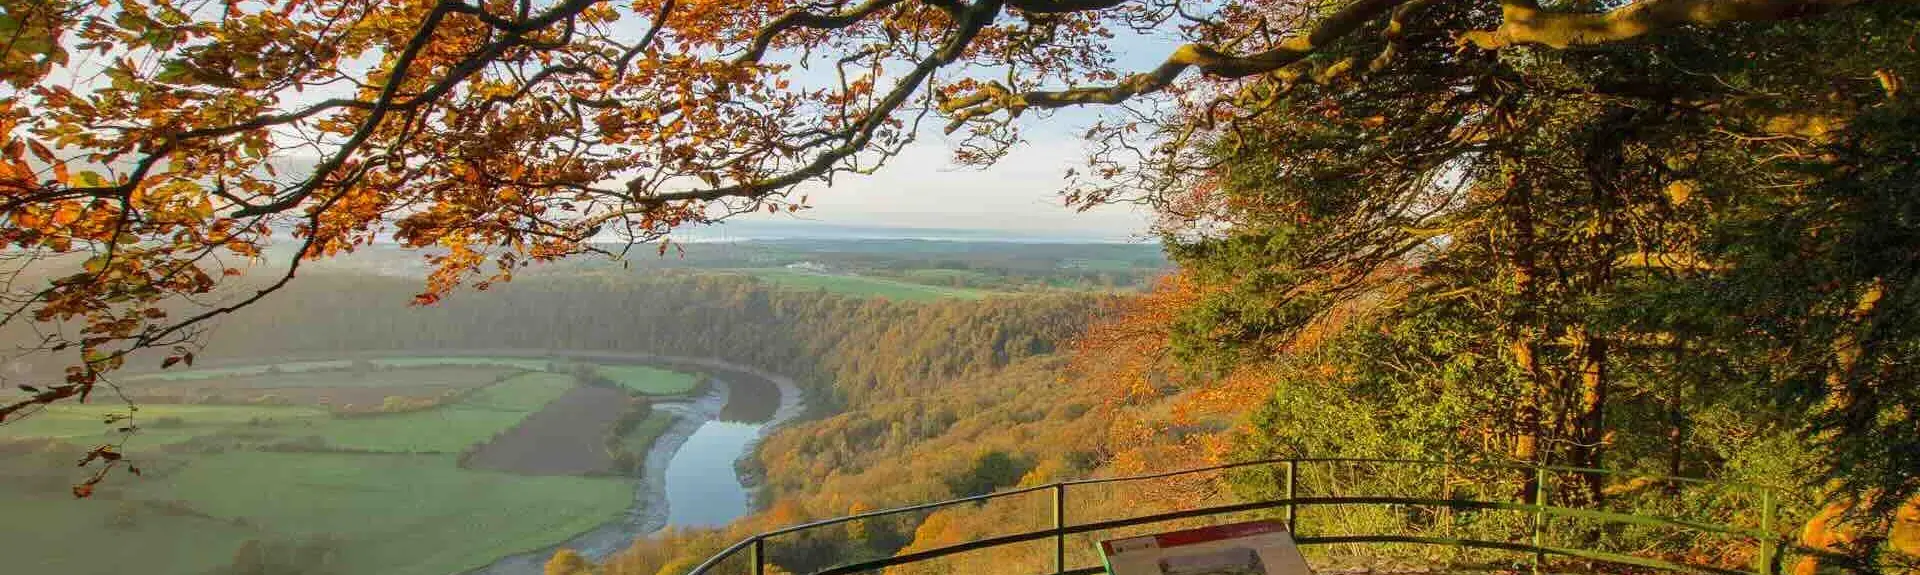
<point x="1534" y="501"/>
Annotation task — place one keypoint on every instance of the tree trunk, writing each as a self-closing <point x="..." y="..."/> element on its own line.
<point x="1589" y="427"/>
<point x="1676" y="435"/>
<point x="1522" y="333"/>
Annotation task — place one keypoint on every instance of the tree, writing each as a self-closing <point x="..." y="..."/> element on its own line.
<point x="151" y="149"/>
<point x="1533" y="242"/>
<point x="567" y="562"/>
<point x="991" y="470"/>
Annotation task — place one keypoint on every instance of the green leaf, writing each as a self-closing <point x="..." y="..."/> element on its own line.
<point x="176" y="72"/>
<point x="90" y="179"/>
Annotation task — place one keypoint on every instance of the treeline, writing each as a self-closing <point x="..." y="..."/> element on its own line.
<point x="843" y="349"/>
<point x="1023" y="424"/>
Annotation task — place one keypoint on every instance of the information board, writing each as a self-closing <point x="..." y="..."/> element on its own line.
<point x="1250" y="548"/>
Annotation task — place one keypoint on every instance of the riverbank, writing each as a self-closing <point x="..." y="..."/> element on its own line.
<point x="651" y="507"/>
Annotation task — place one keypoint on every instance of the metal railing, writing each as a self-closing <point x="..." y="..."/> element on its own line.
<point x="1770" y="544"/>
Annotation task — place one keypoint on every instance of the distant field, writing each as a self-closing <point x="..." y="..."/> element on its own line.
<point x="940" y="277"/>
<point x="285" y="369"/>
<point x="400" y="514"/>
<point x="529" y="364"/>
<point x="649" y="380"/>
<point x="386" y="485"/>
<point x="640" y="439"/>
<point x="343" y="390"/>
<point x="447" y="429"/>
<point x="408" y="515"/>
<point x="863" y="286"/>
<point x="159" y="424"/>
<point x="525" y="393"/>
<point x="215" y="372"/>
<point x="155" y="543"/>
<point x="439" y="375"/>
<point x="563" y="438"/>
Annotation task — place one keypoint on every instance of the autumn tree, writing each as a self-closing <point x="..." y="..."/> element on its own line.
<point x="1529" y="244"/>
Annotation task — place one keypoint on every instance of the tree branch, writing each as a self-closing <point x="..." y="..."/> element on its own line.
<point x="975" y="18"/>
<point x="763" y="39"/>
<point x="1209" y="60"/>
<point x="1062" y="6"/>
<point x="1525" y="22"/>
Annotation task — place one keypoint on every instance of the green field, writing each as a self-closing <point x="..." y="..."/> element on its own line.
<point x="529" y="364"/>
<point x="447" y="429"/>
<point x="938" y="277"/>
<point x="83" y="423"/>
<point x="400" y="514"/>
<point x="396" y="503"/>
<point x="649" y="380"/>
<point x="863" y="286"/>
<point x="153" y="543"/>
<point x="245" y="370"/>
<point x="524" y="393"/>
<point x="436" y="375"/>
<point x="640" y="439"/>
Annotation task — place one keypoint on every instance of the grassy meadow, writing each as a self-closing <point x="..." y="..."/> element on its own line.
<point x="649" y="380"/>
<point x="385" y="491"/>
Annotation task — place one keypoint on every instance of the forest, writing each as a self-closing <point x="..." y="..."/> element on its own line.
<point x="843" y="348"/>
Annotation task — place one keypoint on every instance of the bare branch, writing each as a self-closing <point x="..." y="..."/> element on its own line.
<point x="763" y="39"/>
<point x="975" y="18"/>
<point x="1063" y="6"/>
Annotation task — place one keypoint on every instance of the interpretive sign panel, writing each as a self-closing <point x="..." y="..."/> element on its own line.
<point x="1250" y="548"/>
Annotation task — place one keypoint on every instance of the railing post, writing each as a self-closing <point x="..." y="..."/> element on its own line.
<point x="758" y="553"/>
<point x="1059" y="525"/>
<point x="1539" y="515"/>
<point x="1293" y="474"/>
<point x="1768" y="538"/>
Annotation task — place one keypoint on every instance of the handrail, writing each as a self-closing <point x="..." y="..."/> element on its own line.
<point x="1767" y="563"/>
<point x="1432" y="462"/>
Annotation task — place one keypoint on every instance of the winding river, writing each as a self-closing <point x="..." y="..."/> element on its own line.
<point x="691" y="476"/>
<point x="703" y="489"/>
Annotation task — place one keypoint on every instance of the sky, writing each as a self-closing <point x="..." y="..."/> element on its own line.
<point x="923" y="188"/>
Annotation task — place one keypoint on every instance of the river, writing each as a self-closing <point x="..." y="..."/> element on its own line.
<point x="691" y="476"/>
<point x="703" y="490"/>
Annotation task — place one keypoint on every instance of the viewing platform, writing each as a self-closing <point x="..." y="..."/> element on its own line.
<point x="1479" y="515"/>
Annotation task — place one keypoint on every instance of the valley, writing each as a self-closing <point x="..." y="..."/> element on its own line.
<point x="477" y="457"/>
<point x="571" y="409"/>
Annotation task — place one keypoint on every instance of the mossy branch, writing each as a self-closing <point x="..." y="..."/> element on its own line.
<point x="1210" y="60"/>
<point x="1525" y="22"/>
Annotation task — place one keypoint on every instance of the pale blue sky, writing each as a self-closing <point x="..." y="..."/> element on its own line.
<point x="923" y="188"/>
